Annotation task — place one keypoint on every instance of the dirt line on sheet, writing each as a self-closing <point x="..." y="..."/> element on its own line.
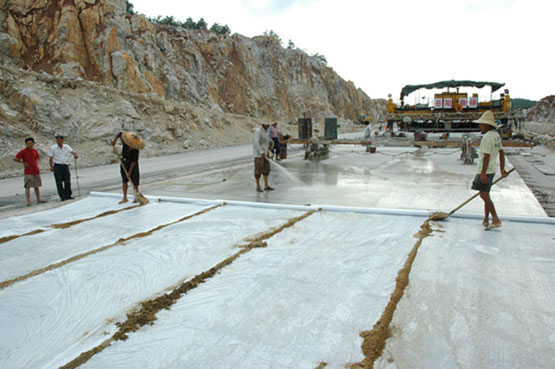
<point x="66" y="224"/>
<point x="78" y="221"/>
<point x="374" y="340"/>
<point x="146" y="312"/>
<point x="119" y="242"/>
<point x="13" y="237"/>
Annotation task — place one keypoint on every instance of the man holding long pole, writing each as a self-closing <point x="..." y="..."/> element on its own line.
<point x="490" y="148"/>
<point x="129" y="169"/>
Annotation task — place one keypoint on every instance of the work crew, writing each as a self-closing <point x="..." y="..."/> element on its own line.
<point x="260" y="150"/>
<point x="274" y="136"/>
<point x="60" y="155"/>
<point x="29" y="157"/>
<point x="129" y="168"/>
<point x="490" y="148"/>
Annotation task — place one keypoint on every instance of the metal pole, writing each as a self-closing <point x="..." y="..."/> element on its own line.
<point x="77" y="177"/>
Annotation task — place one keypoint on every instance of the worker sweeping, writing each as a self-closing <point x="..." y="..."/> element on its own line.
<point x="260" y="151"/>
<point x="129" y="169"/>
<point x="490" y="148"/>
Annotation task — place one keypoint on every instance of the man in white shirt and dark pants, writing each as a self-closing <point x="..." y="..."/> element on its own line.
<point x="490" y="148"/>
<point x="60" y="155"/>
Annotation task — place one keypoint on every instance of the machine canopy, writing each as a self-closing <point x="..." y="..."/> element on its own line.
<point x="452" y="83"/>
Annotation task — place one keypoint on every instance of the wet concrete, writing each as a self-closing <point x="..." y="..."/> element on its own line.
<point x="395" y="178"/>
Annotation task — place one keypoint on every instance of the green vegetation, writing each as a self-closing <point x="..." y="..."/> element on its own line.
<point x="321" y="57"/>
<point x="271" y="33"/>
<point x="523" y="103"/>
<point x="188" y="24"/>
<point x="219" y="29"/>
<point x="129" y="8"/>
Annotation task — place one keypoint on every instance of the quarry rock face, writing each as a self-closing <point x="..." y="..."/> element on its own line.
<point x="540" y="121"/>
<point x="87" y="67"/>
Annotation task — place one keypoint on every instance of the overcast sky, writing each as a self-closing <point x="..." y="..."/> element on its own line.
<point x="383" y="45"/>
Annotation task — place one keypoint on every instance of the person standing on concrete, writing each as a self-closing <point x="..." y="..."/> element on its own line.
<point x="274" y="136"/>
<point x="260" y="148"/>
<point x="29" y="157"/>
<point x="131" y="144"/>
<point x="490" y="148"/>
<point x="60" y="155"/>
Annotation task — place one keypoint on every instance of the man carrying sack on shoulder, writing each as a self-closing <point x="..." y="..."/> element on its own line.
<point x="129" y="168"/>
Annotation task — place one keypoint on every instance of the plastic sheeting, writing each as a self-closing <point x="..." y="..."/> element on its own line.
<point x="300" y="301"/>
<point x="478" y="300"/>
<point x="29" y="253"/>
<point x="25" y="223"/>
<point x="49" y="319"/>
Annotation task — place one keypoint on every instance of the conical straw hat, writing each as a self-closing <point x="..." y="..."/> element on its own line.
<point x="133" y="140"/>
<point x="487" y="118"/>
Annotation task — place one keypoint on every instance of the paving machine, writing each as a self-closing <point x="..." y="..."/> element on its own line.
<point x="452" y="110"/>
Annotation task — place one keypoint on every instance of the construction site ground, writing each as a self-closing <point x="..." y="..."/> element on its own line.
<point x="212" y="274"/>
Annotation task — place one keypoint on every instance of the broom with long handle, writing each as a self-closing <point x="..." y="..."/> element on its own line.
<point x="139" y="196"/>
<point x="439" y="215"/>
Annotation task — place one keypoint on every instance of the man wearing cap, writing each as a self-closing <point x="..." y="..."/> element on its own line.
<point x="490" y="148"/>
<point x="260" y="147"/>
<point x="131" y="144"/>
<point x="29" y="157"/>
<point x="60" y="155"/>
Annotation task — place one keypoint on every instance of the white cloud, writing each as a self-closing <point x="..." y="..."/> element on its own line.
<point x="271" y="7"/>
<point x="481" y="5"/>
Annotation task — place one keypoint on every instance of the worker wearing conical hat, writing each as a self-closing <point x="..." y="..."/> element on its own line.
<point x="131" y="145"/>
<point x="490" y="148"/>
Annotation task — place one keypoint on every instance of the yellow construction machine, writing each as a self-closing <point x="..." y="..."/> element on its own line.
<point x="451" y="110"/>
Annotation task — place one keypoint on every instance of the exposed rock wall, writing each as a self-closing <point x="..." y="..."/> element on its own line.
<point x="97" y="41"/>
<point x="540" y="121"/>
<point x="85" y="67"/>
<point x="39" y="105"/>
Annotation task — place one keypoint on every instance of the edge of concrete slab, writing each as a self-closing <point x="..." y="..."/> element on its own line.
<point x="343" y="209"/>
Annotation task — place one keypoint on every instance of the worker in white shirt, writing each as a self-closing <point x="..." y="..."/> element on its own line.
<point x="260" y="151"/>
<point x="490" y="149"/>
<point x="60" y="155"/>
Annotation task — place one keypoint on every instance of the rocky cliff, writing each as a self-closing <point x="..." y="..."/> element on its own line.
<point x="87" y="67"/>
<point x="540" y="121"/>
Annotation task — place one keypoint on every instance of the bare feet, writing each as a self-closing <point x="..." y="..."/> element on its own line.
<point x="493" y="226"/>
<point x="485" y="223"/>
<point x="123" y="201"/>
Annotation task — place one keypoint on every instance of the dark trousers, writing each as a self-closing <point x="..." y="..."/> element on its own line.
<point x="276" y="148"/>
<point x="63" y="180"/>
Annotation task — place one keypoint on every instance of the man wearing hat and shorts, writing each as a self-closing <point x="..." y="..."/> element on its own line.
<point x="29" y="157"/>
<point x="131" y="144"/>
<point x="60" y="155"/>
<point x="490" y="148"/>
<point x="260" y="148"/>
